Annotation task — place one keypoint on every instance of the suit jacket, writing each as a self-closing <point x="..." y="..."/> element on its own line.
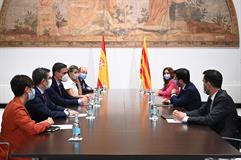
<point x="59" y="96"/>
<point x="17" y="125"/>
<point x="222" y="118"/>
<point x="85" y="88"/>
<point x="188" y="98"/>
<point x="41" y="107"/>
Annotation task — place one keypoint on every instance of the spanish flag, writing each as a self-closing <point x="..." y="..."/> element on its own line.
<point x="103" y="77"/>
<point x="145" y="75"/>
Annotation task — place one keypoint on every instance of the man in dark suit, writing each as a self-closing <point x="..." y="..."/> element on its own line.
<point x="219" y="113"/>
<point x="83" y="74"/>
<point x="57" y="93"/>
<point x="189" y="97"/>
<point x="41" y="106"/>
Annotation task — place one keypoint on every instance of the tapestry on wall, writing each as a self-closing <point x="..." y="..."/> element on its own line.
<point x="81" y="23"/>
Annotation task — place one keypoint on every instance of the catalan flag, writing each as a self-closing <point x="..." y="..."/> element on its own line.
<point x="145" y="75"/>
<point x="103" y="77"/>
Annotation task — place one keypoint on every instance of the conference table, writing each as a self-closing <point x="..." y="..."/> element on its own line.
<point x="122" y="130"/>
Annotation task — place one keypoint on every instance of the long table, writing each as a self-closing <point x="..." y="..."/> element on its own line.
<point x="122" y="130"/>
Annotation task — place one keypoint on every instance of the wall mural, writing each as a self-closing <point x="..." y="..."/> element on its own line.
<point x="81" y="23"/>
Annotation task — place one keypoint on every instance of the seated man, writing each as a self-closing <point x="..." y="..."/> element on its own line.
<point x="17" y="125"/>
<point x="188" y="97"/>
<point x="41" y="106"/>
<point x="57" y="93"/>
<point x="219" y="113"/>
<point x="83" y="74"/>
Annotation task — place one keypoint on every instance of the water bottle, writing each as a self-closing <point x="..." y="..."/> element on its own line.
<point x="150" y="110"/>
<point x="90" y="111"/>
<point x="97" y="98"/>
<point x="76" y="127"/>
<point x="152" y="97"/>
<point x="153" y="112"/>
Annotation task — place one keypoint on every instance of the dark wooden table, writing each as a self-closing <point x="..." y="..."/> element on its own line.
<point x="122" y="130"/>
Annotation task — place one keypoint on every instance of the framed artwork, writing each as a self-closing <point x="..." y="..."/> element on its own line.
<point x="124" y="23"/>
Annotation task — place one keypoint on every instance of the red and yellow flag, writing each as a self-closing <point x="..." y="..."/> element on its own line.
<point x="103" y="77"/>
<point x="145" y="74"/>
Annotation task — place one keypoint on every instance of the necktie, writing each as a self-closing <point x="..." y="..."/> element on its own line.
<point x="45" y="98"/>
<point x="60" y="92"/>
<point x="210" y="103"/>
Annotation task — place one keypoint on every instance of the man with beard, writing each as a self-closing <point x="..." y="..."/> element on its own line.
<point x="219" y="113"/>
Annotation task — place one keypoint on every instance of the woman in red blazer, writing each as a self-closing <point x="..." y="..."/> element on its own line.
<point x="17" y="125"/>
<point x="169" y="83"/>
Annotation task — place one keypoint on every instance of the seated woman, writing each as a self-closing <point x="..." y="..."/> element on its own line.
<point x="73" y="86"/>
<point x="169" y="83"/>
<point x="17" y="126"/>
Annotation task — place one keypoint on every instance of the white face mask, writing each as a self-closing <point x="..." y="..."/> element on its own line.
<point x="65" y="78"/>
<point x="31" y="94"/>
<point x="167" y="76"/>
<point x="49" y="83"/>
<point x="83" y="75"/>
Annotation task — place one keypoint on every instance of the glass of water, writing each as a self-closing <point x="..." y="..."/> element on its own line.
<point x="90" y="112"/>
<point x="152" y="97"/>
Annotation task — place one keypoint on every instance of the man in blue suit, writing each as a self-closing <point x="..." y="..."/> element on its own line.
<point x="41" y="106"/>
<point x="189" y="98"/>
<point x="57" y="93"/>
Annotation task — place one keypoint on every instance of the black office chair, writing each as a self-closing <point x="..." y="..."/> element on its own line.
<point x="236" y="141"/>
<point x="4" y="145"/>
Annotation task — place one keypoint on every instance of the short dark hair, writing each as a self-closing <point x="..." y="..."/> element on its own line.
<point x="214" y="77"/>
<point x="39" y="74"/>
<point x="57" y="67"/>
<point x="183" y="74"/>
<point x="19" y="83"/>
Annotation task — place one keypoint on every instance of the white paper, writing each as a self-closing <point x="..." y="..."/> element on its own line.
<point x="173" y="121"/>
<point x="75" y="139"/>
<point x="90" y="118"/>
<point x="64" y="126"/>
<point x="81" y="115"/>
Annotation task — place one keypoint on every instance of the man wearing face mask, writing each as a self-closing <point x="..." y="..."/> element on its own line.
<point x="17" y="126"/>
<point x="41" y="106"/>
<point x="219" y="113"/>
<point x="188" y="97"/>
<point x="57" y="93"/>
<point x="83" y="74"/>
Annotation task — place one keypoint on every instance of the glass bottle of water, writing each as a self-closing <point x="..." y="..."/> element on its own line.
<point x="153" y="112"/>
<point x="90" y="110"/>
<point x="76" y="127"/>
<point x="151" y="97"/>
<point x="97" y="98"/>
